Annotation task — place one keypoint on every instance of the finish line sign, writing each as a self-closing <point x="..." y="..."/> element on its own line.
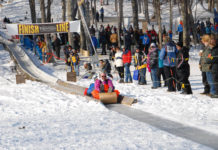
<point x="43" y="28"/>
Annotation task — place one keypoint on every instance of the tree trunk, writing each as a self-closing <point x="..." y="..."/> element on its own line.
<point x="185" y="18"/>
<point x="210" y="5"/>
<point x="95" y="13"/>
<point x="107" y="2"/>
<point x="49" y="11"/>
<point x="82" y="36"/>
<point x="155" y="9"/>
<point x="159" y="22"/>
<point x="135" y="14"/>
<point x="120" y="21"/>
<point x="146" y="11"/>
<point x="116" y="5"/>
<point x="33" y="10"/>
<point x="217" y="5"/>
<point x="171" y="16"/>
<point x="87" y="16"/>
<point x="63" y="3"/>
<point x="192" y="24"/>
<point x="43" y="20"/>
<point x="70" y="18"/>
<point x="139" y="6"/>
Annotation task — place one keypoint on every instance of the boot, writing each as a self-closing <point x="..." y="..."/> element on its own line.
<point x="121" y="80"/>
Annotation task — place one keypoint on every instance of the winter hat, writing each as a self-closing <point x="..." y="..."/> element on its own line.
<point x="180" y="44"/>
<point x="153" y="45"/>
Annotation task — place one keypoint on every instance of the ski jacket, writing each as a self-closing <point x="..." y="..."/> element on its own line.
<point x="205" y="67"/>
<point x="153" y="58"/>
<point x="107" y="82"/>
<point x="212" y="59"/>
<point x="113" y="38"/>
<point x="168" y="54"/>
<point x="180" y="28"/>
<point x="182" y="59"/>
<point x="145" y="39"/>
<point x="119" y="59"/>
<point x="140" y="60"/>
<point x="127" y="56"/>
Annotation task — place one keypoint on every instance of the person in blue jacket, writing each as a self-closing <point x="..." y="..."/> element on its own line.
<point x="145" y="42"/>
<point x="180" y="30"/>
<point x="168" y="55"/>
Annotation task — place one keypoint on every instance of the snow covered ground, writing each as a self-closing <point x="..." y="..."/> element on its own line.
<point x="36" y="116"/>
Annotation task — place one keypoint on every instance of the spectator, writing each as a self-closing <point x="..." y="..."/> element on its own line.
<point x="180" y="31"/>
<point x="57" y="46"/>
<point x="75" y="62"/>
<point x="205" y="67"/>
<point x="140" y="64"/>
<point x="106" y="67"/>
<point x="102" y="14"/>
<point x="212" y="60"/>
<point x="119" y="64"/>
<point x="168" y="55"/>
<point x="127" y="57"/>
<point x="153" y="64"/>
<point x="183" y="68"/>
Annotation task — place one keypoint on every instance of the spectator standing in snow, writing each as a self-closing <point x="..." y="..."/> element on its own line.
<point x="102" y="14"/>
<point x="153" y="64"/>
<point x="127" y="58"/>
<point x="212" y="60"/>
<point x="180" y="31"/>
<point x="119" y="64"/>
<point x="57" y="45"/>
<point x="183" y="68"/>
<point x="140" y="61"/>
<point x="205" y="67"/>
<point x="168" y="55"/>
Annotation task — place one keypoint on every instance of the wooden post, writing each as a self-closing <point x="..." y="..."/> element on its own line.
<point x="20" y="79"/>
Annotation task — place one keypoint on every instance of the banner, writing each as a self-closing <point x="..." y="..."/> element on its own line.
<point x="43" y="28"/>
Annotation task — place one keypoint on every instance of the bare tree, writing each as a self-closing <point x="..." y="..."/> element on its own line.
<point x="115" y="5"/>
<point x="135" y="14"/>
<point x="70" y="18"/>
<point x="32" y="10"/>
<point x="192" y="23"/>
<point x="146" y="11"/>
<point x="63" y="3"/>
<point x="217" y="5"/>
<point x="171" y="16"/>
<point x="49" y="10"/>
<point x="158" y="16"/>
<point x="139" y="6"/>
<point x="211" y="5"/>
<point x="82" y="36"/>
<point x="43" y="20"/>
<point x="185" y="18"/>
<point x="120" y="21"/>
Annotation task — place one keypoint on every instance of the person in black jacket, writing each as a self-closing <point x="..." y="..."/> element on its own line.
<point x="183" y="68"/>
<point x="57" y="46"/>
<point x="153" y="64"/>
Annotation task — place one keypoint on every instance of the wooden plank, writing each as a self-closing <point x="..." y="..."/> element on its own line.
<point x="128" y="100"/>
<point x="20" y="79"/>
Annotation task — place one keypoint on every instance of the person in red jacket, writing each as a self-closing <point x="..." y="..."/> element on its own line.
<point x="127" y="58"/>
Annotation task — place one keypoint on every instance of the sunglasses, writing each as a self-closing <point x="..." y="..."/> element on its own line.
<point x="103" y="76"/>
